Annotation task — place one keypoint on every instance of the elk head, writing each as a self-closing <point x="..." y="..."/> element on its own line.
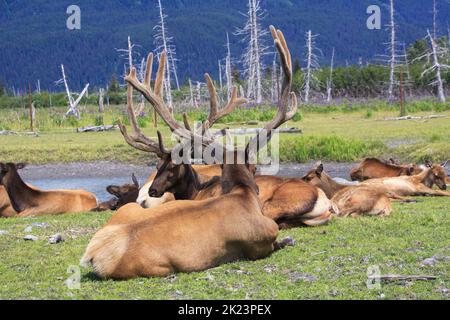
<point x="436" y="176"/>
<point x="9" y="169"/>
<point x="125" y="194"/>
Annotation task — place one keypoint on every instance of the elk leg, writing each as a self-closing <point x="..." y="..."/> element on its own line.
<point x="425" y="191"/>
<point x="286" y="242"/>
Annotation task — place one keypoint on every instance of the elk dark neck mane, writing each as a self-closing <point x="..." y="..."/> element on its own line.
<point x="235" y="176"/>
<point x="20" y="194"/>
<point x="191" y="183"/>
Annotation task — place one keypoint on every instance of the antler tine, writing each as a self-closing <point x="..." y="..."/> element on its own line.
<point x="214" y="113"/>
<point x="138" y="140"/>
<point x="148" y="70"/>
<point x="283" y="114"/>
<point x="159" y="87"/>
<point x="155" y="98"/>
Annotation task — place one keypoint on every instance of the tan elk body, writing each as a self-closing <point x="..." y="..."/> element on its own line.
<point x="350" y="200"/>
<point x="27" y="201"/>
<point x="374" y="168"/>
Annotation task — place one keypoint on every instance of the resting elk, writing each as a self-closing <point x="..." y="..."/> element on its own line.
<point x="349" y="200"/>
<point x="123" y="195"/>
<point x="190" y="236"/>
<point x="27" y="201"/>
<point x="372" y="168"/>
<point x="289" y="202"/>
<point x="417" y="185"/>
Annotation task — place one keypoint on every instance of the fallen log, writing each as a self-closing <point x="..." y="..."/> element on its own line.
<point x="98" y="129"/>
<point x="14" y="133"/>
<point x="394" y="277"/>
<point x="414" y="118"/>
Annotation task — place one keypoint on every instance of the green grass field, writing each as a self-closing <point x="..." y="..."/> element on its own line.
<point x="329" y="134"/>
<point x="329" y="262"/>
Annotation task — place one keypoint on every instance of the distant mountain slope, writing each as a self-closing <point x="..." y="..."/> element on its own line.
<point x="34" y="40"/>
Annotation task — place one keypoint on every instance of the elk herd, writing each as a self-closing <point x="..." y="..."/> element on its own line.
<point x="189" y="218"/>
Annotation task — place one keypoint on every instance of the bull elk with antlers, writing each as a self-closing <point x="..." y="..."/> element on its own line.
<point x="189" y="236"/>
<point x="289" y="202"/>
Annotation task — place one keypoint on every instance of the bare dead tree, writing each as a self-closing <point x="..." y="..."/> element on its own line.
<point x="253" y="34"/>
<point x="274" y="86"/>
<point x="101" y="101"/>
<point x="393" y="52"/>
<point x="435" y="14"/>
<point x="311" y="63"/>
<point x="228" y="69"/>
<point x="436" y="52"/>
<point x="330" y="79"/>
<point x="164" y="43"/>
<point x="73" y="104"/>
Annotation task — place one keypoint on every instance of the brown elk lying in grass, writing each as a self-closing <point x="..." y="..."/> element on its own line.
<point x="374" y="168"/>
<point x="417" y="185"/>
<point x="123" y="195"/>
<point x="27" y="201"/>
<point x="189" y="236"/>
<point x="350" y="200"/>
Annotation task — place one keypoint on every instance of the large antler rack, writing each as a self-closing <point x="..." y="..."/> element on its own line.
<point x="288" y="104"/>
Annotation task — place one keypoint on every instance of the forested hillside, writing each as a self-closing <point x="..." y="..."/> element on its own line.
<point x="34" y="40"/>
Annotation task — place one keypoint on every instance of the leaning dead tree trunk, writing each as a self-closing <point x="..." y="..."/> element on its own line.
<point x="73" y="104"/>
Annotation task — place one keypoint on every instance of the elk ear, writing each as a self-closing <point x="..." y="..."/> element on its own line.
<point x="444" y="164"/>
<point x="114" y="190"/>
<point x="428" y="164"/>
<point x="20" y="166"/>
<point x="319" y="169"/>
<point x="135" y="180"/>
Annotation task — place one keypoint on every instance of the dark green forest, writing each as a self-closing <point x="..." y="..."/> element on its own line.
<point x="34" y="40"/>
